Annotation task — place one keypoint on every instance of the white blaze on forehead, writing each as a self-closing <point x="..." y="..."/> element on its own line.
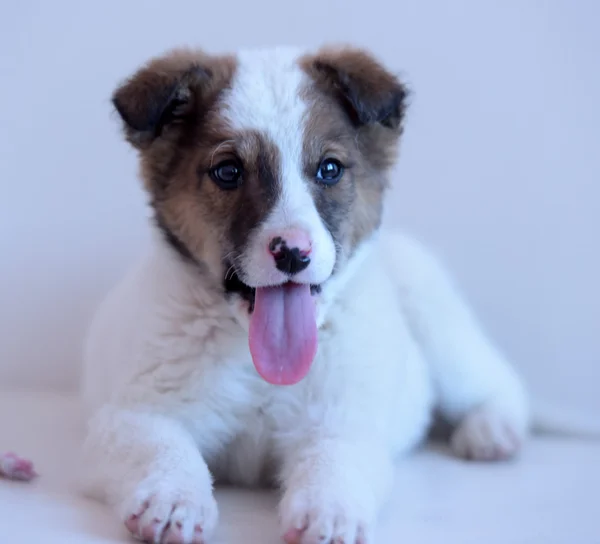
<point x="266" y="96"/>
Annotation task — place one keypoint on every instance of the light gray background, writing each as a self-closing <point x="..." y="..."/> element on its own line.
<point x="500" y="169"/>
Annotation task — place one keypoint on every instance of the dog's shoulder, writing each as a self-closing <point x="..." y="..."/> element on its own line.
<point x="162" y="312"/>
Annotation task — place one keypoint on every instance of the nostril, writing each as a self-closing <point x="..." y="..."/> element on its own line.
<point x="291" y="260"/>
<point x="293" y="254"/>
<point x="292" y="239"/>
<point x="296" y="253"/>
<point x="275" y="246"/>
<point x="300" y="256"/>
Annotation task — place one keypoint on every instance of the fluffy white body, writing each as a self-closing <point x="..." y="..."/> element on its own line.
<point x="175" y="400"/>
<point x="168" y="369"/>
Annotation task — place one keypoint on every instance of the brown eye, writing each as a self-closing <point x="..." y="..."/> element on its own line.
<point x="227" y="175"/>
<point x="330" y="171"/>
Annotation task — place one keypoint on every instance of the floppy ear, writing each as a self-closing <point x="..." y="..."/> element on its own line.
<point x="161" y="93"/>
<point x="369" y="93"/>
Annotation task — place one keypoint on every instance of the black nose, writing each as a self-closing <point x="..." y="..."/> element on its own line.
<point x="290" y="260"/>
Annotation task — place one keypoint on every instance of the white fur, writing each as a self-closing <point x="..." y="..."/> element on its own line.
<point x="170" y="380"/>
<point x="175" y="400"/>
<point x="265" y="96"/>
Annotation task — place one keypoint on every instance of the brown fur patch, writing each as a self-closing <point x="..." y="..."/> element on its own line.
<point x="356" y="115"/>
<point x="368" y="92"/>
<point x="168" y="91"/>
<point x="170" y="110"/>
<point x="212" y="223"/>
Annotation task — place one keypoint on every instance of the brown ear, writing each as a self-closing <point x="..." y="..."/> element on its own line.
<point x="159" y="94"/>
<point x="369" y="93"/>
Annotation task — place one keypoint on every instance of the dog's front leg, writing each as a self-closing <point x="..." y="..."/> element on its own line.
<point x="149" y="469"/>
<point x="333" y="489"/>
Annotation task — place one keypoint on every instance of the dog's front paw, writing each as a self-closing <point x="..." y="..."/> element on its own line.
<point x="319" y="516"/>
<point x="171" y="512"/>
<point x="486" y="434"/>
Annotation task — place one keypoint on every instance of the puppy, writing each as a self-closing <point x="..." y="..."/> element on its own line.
<point x="274" y="333"/>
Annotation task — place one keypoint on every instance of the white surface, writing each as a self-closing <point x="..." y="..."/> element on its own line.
<point x="549" y="495"/>
<point x="500" y="166"/>
<point x="500" y="170"/>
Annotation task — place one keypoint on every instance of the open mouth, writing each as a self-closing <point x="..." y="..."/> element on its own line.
<point x="283" y="328"/>
<point x="233" y="284"/>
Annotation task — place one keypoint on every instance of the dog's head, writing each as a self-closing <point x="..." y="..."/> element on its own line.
<point x="267" y="169"/>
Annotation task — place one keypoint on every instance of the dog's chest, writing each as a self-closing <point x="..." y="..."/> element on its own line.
<point x="251" y="458"/>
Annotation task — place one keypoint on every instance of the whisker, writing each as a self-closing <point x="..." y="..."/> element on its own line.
<point x="232" y="270"/>
<point x="234" y="260"/>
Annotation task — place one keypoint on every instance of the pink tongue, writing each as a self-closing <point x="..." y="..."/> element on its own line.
<point x="283" y="333"/>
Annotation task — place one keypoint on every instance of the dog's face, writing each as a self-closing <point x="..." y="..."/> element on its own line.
<point x="267" y="168"/>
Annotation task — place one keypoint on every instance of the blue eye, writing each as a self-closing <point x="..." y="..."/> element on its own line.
<point x="330" y="171"/>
